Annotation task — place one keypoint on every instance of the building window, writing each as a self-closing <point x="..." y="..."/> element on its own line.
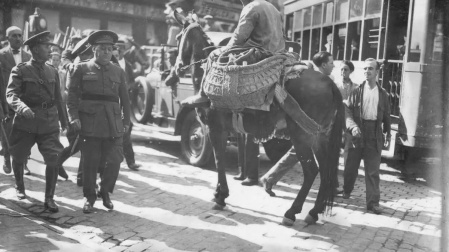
<point x="52" y="20"/>
<point x="373" y="7"/>
<point x="317" y="14"/>
<point x="307" y="14"/>
<point x="85" y="23"/>
<point x="18" y="17"/>
<point x="356" y="8"/>
<point x="341" y="10"/>
<point x="123" y="28"/>
<point x="371" y="38"/>
<point x="328" y="12"/>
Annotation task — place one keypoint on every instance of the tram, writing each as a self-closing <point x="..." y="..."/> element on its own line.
<point x="405" y="35"/>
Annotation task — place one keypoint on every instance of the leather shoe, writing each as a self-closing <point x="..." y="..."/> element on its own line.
<point x="7" y="168"/>
<point x="346" y="195"/>
<point x="134" y="166"/>
<point x="250" y="182"/>
<point x="239" y="177"/>
<point x="106" y="200"/>
<point x="26" y="171"/>
<point x="79" y="181"/>
<point x="196" y="101"/>
<point x="51" y="205"/>
<point x="20" y="194"/>
<point x="267" y="186"/>
<point x="62" y="173"/>
<point x="375" y="209"/>
<point x="88" y="208"/>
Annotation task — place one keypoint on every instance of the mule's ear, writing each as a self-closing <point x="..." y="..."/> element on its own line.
<point x="179" y="17"/>
<point x="195" y="17"/>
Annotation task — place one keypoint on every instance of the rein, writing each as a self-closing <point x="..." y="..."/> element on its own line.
<point x="184" y="68"/>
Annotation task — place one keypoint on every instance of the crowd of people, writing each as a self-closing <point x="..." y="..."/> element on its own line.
<point x="84" y="90"/>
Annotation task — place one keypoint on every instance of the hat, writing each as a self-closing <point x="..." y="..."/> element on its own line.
<point x="40" y="38"/>
<point x="102" y="37"/>
<point x="81" y="47"/>
<point x="11" y="29"/>
<point x="208" y="17"/>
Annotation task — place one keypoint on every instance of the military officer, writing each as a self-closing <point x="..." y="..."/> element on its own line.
<point x="34" y="94"/>
<point x="97" y="97"/>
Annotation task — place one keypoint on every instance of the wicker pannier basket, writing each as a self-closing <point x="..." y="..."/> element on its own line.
<point x="235" y="87"/>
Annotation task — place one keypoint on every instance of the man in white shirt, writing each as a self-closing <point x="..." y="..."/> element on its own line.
<point x="10" y="56"/>
<point x="367" y="118"/>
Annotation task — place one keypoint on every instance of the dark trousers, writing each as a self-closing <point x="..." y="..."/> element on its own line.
<point x="128" y="151"/>
<point x="7" y="125"/>
<point x="96" y="152"/>
<point x="248" y="156"/>
<point x="66" y="153"/>
<point x="371" y="158"/>
<point x="49" y="146"/>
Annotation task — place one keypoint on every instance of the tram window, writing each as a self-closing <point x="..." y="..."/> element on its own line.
<point x="371" y="38"/>
<point x="317" y="14"/>
<point x="289" y="26"/>
<point x="297" y="20"/>
<point x="326" y="41"/>
<point x="418" y="32"/>
<point x="307" y="17"/>
<point x="305" y="45"/>
<point x="341" y="10"/>
<point x="353" y="45"/>
<point x="438" y="39"/>
<point x="339" y="42"/>
<point x="315" y="46"/>
<point x="328" y="12"/>
<point x="356" y="8"/>
<point x="297" y="37"/>
<point x="373" y="7"/>
<point x="397" y="30"/>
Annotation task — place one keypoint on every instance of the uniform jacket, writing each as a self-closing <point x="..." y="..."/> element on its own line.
<point x="35" y="85"/>
<point x="354" y="116"/>
<point x="260" y="25"/>
<point x="100" y="117"/>
<point x="7" y="63"/>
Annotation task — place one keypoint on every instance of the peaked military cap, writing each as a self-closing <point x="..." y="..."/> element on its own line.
<point x="102" y="37"/>
<point x="40" y="38"/>
<point x="81" y="47"/>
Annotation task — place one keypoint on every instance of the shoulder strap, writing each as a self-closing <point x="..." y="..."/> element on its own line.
<point x="41" y="82"/>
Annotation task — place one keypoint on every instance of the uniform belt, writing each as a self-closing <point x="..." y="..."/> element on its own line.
<point x="99" y="97"/>
<point x="43" y="105"/>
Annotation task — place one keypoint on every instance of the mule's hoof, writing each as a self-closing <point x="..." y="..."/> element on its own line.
<point x="310" y="220"/>
<point x="287" y="222"/>
<point x="218" y="207"/>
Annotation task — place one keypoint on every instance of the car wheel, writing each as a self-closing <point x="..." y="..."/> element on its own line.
<point x="142" y="102"/>
<point x="276" y="148"/>
<point x="195" y="144"/>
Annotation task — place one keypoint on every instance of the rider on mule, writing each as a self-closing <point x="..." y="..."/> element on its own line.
<point x="260" y="25"/>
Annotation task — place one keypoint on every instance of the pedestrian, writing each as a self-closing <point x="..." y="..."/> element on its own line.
<point x="10" y="57"/>
<point x="248" y="160"/>
<point x="368" y="115"/>
<point x="128" y="150"/>
<point x="325" y="64"/>
<point x="98" y="107"/>
<point x="82" y="52"/>
<point x="34" y="94"/>
<point x="346" y="86"/>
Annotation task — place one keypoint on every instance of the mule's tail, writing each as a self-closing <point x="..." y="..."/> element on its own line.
<point x="334" y="145"/>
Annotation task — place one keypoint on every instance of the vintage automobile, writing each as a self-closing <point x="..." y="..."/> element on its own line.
<point x="154" y="102"/>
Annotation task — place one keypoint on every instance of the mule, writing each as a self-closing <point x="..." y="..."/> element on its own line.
<point x="318" y="97"/>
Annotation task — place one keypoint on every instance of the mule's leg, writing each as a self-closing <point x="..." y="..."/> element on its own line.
<point x="218" y="141"/>
<point x="310" y="170"/>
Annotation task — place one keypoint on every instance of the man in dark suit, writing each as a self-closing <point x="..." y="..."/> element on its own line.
<point x="98" y="107"/>
<point x="10" y="56"/>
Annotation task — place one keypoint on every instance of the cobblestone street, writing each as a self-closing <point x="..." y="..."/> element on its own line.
<point x="166" y="206"/>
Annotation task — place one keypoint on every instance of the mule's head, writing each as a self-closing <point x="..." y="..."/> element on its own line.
<point x="191" y="41"/>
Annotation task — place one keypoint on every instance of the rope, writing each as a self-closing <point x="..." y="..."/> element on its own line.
<point x="184" y="68"/>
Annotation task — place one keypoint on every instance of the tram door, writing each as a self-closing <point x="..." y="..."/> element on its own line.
<point x="413" y="74"/>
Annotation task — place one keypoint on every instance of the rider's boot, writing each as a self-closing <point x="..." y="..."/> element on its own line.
<point x="198" y="100"/>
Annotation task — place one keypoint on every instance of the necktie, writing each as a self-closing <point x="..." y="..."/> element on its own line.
<point x="15" y="51"/>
